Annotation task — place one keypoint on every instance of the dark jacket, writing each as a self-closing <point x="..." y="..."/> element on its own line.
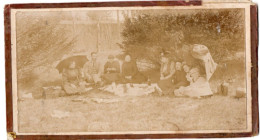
<point x="129" y="69"/>
<point x="180" y="79"/>
<point x="114" y="64"/>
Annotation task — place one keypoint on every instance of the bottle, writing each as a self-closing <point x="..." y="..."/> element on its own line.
<point x="149" y="81"/>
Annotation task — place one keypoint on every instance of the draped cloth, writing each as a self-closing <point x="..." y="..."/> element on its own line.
<point x="201" y="52"/>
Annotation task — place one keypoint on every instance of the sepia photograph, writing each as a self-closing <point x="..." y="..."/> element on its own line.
<point x="132" y="70"/>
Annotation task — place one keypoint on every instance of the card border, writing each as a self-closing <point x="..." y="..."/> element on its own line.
<point x="8" y="67"/>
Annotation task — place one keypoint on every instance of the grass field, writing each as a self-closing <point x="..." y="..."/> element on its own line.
<point x="145" y="113"/>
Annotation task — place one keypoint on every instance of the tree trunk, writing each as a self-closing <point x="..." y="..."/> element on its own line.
<point x="118" y="25"/>
<point x="98" y="34"/>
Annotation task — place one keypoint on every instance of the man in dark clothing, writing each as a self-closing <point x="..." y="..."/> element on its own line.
<point x="111" y="70"/>
<point x="179" y="77"/>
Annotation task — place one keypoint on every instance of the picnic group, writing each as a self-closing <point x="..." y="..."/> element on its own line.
<point x="177" y="78"/>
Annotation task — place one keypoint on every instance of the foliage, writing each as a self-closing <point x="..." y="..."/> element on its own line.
<point x="40" y="41"/>
<point x="146" y="35"/>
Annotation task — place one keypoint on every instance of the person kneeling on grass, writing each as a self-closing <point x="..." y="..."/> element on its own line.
<point x="111" y="70"/>
<point x="199" y="86"/>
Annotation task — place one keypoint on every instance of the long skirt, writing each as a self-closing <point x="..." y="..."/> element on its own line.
<point x="138" y="79"/>
<point x="73" y="88"/>
<point x="166" y="86"/>
<point x="111" y="77"/>
<point x="198" y="89"/>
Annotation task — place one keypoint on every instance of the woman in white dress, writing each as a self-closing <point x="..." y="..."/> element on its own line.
<point x="199" y="85"/>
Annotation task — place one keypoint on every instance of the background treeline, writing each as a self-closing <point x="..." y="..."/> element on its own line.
<point x="146" y="35"/>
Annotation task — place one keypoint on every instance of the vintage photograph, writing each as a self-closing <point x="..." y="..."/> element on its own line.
<point x="131" y="70"/>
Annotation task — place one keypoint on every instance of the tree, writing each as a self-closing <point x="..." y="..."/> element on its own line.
<point x="40" y="40"/>
<point x="146" y="35"/>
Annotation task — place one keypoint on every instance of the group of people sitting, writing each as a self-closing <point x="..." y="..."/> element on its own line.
<point x="176" y="78"/>
<point x="76" y="79"/>
<point x="180" y="79"/>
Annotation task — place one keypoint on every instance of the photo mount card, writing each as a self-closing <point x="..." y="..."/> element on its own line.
<point x="132" y="70"/>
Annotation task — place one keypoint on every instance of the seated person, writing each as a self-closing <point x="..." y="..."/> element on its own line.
<point x="111" y="70"/>
<point x="130" y="73"/>
<point x="189" y="78"/>
<point x="166" y="74"/>
<point x="92" y="70"/>
<point x="71" y="80"/>
<point x="199" y="86"/>
<point x="179" y="77"/>
<point x="186" y="68"/>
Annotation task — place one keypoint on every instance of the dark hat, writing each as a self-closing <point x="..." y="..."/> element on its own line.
<point x="111" y="57"/>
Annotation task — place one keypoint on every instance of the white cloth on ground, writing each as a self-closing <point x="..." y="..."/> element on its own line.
<point x="128" y="90"/>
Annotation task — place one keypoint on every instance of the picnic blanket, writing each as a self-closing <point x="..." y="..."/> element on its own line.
<point x="131" y="89"/>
